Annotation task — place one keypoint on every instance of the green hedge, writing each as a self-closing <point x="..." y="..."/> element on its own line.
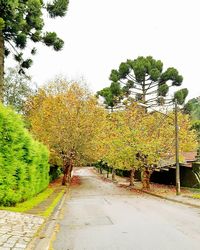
<point x="24" y="168"/>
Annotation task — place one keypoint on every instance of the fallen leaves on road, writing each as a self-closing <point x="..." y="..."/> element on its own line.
<point x="75" y="181"/>
<point x="106" y="179"/>
<point x="132" y="189"/>
<point x="56" y="182"/>
<point x="166" y="190"/>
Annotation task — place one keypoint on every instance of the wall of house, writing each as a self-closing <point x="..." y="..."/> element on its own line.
<point x="187" y="177"/>
<point x="164" y="177"/>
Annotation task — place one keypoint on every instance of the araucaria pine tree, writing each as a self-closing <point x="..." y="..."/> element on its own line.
<point x="22" y="21"/>
<point x="144" y="80"/>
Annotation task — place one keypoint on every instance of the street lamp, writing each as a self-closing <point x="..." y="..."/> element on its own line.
<point x="178" y="188"/>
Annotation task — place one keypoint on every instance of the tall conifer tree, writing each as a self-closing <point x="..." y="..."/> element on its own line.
<point x="22" y="21"/>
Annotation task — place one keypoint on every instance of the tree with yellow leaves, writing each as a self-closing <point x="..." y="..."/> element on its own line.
<point x="156" y="137"/>
<point x="140" y="140"/>
<point x="66" y="117"/>
<point x="121" y="145"/>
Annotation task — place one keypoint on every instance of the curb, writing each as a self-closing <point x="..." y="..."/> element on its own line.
<point x="159" y="196"/>
<point x="162" y="197"/>
<point x="173" y="200"/>
<point x="43" y="239"/>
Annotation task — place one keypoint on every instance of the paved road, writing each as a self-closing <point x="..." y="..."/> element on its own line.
<point x="101" y="216"/>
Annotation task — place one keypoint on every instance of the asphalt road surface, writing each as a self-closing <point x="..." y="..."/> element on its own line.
<point x="101" y="216"/>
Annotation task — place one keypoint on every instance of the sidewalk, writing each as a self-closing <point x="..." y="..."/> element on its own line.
<point x="158" y="190"/>
<point x="17" y="230"/>
<point x="42" y="240"/>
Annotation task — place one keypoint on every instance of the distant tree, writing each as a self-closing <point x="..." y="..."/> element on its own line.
<point x="196" y="126"/>
<point x="112" y="95"/>
<point x="17" y="88"/>
<point x="22" y="21"/>
<point x="192" y="107"/>
<point x="143" y="80"/>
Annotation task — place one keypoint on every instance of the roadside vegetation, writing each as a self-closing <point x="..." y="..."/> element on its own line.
<point x="78" y="130"/>
<point x="48" y="211"/>
<point x="136" y="140"/>
<point x="139" y="136"/>
<point x="192" y="107"/>
<point x="196" y="196"/>
<point x="67" y="118"/>
<point x="62" y="125"/>
<point x="24" y="167"/>
<point x="30" y="203"/>
<point x="43" y="204"/>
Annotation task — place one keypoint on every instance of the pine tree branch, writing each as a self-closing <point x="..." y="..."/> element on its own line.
<point x="132" y="77"/>
<point x="12" y="47"/>
<point x="152" y="92"/>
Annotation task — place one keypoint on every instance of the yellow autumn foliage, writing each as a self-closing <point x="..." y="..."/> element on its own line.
<point x="65" y="116"/>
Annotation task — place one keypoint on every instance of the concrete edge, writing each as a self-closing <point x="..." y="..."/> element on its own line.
<point x="170" y="199"/>
<point x="45" y="233"/>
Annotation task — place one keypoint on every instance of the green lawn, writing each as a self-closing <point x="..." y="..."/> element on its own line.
<point x="50" y="209"/>
<point x="29" y="204"/>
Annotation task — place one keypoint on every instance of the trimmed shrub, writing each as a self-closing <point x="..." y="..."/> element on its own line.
<point x="24" y="168"/>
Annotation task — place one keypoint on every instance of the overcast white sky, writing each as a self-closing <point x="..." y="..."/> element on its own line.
<point x="99" y="35"/>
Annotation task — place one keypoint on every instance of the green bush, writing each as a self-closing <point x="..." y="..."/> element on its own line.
<point x="55" y="172"/>
<point x="24" y="168"/>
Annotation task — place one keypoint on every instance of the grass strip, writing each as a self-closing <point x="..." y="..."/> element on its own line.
<point x="31" y="203"/>
<point x="54" y="203"/>
<point x="196" y="196"/>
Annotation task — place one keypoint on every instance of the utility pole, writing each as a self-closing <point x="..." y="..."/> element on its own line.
<point x="178" y="188"/>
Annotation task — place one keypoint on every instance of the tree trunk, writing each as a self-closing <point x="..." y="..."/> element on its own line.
<point x="64" y="180"/>
<point x="100" y="170"/>
<point x="132" y="174"/>
<point x="113" y="175"/>
<point x="146" y="178"/>
<point x="107" y="172"/>
<point x="69" y="172"/>
<point x="144" y="92"/>
<point x="2" y="49"/>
